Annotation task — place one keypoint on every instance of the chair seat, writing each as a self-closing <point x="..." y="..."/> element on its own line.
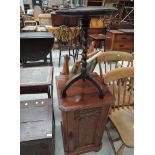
<point x="123" y="120"/>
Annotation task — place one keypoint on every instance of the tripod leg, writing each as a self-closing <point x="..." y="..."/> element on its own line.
<point x="69" y="83"/>
<point x="101" y="94"/>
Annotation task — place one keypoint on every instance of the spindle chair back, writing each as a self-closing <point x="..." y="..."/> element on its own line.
<point x="114" y="59"/>
<point x="121" y="114"/>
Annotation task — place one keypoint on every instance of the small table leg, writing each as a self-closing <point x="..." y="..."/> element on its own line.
<point x="51" y="61"/>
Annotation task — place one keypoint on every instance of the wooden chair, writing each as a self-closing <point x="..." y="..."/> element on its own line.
<point x="45" y="19"/>
<point x="65" y="38"/>
<point x="77" y="42"/>
<point x="114" y="59"/>
<point x="29" y="25"/>
<point x="122" y="111"/>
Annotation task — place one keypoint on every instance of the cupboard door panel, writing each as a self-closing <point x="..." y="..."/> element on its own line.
<point x="86" y="125"/>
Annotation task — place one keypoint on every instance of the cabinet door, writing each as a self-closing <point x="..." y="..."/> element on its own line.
<point x="86" y="125"/>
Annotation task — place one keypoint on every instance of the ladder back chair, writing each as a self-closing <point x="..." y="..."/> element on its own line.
<point x="121" y="114"/>
<point x="65" y="37"/>
<point x="114" y="59"/>
<point x="77" y="42"/>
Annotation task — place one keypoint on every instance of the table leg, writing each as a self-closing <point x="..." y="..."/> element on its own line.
<point x="49" y="92"/>
<point x="51" y="61"/>
<point x="84" y="75"/>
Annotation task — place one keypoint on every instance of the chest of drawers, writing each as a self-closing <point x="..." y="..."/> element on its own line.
<point x="120" y="40"/>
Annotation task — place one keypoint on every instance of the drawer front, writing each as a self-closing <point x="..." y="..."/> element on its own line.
<point x="123" y="45"/>
<point x="124" y="37"/>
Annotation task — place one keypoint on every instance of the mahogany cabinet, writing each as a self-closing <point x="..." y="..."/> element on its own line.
<point x="84" y="115"/>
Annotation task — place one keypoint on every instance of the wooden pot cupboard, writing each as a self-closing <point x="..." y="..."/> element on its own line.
<point x="84" y="115"/>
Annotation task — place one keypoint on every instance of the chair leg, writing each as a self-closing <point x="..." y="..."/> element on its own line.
<point x="51" y="60"/>
<point x="73" y="56"/>
<point x="110" y="140"/>
<point x="77" y="53"/>
<point x="69" y="53"/>
<point x="59" y="57"/>
<point x="121" y="150"/>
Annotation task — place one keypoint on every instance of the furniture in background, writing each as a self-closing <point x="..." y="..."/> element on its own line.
<point x="122" y="112"/>
<point x="125" y="13"/>
<point x="36" y="80"/>
<point x="100" y="26"/>
<point x="66" y="40"/>
<point x="37" y="4"/>
<point x="58" y="20"/>
<point x="28" y="23"/>
<point x="94" y="2"/>
<point x="37" y="127"/>
<point x="37" y="11"/>
<point x="99" y="40"/>
<point x="29" y="26"/>
<point x="21" y="22"/>
<point x="110" y="3"/>
<point x="121" y="40"/>
<point x="45" y="19"/>
<point x="84" y="115"/>
<point x="35" y="46"/>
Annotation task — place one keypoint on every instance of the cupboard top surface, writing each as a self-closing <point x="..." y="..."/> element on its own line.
<point x="81" y="94"/>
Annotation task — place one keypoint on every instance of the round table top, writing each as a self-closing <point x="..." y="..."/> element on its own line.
<point x="86" y="11"/>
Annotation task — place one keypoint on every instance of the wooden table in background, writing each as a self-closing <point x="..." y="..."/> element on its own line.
<point x="84" y="115"/>
<point x="121" y="40"/>
<point x="35" y="46"/>
<point x="36" y="80"/>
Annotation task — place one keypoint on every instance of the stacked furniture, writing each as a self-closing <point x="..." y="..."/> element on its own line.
<point x="37" y="120"/>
